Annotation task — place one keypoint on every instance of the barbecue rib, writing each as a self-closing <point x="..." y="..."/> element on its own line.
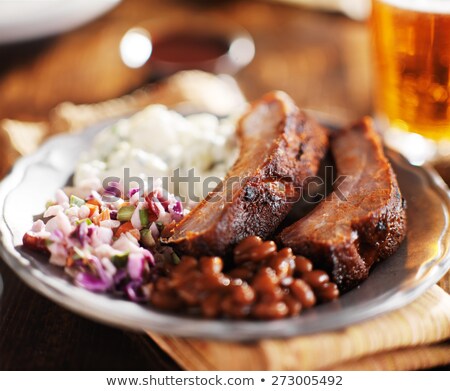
<point x="363" y="222"/>
<point x="280" y="148"/>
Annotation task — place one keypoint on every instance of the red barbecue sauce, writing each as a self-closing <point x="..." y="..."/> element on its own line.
<point x="188" y="48"/>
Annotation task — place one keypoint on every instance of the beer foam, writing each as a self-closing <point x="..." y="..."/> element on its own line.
<point x="427" y="6"/>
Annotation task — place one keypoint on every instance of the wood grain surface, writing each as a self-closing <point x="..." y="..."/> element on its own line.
<point x="37" y="334"/>
<point x="322" y="60"/>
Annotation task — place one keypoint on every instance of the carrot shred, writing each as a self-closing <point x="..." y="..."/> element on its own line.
<point x="69" y="260"/>
<point x="126" y="227"/>
<point x="105" y="215"/>
<point x="95" y="202"/>
<point x="135" y="232"/>
<point x="92" y="209"/>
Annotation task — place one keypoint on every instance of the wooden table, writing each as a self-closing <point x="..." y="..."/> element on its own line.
<point x="322" y="60"/>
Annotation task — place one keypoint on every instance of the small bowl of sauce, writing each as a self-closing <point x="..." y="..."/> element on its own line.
<point x="208" y="42"/>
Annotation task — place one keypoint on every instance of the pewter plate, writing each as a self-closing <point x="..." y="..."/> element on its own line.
<point x="421" y="261"/>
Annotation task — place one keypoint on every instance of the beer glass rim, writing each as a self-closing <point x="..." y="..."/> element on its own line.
<point x="426" y="6"/>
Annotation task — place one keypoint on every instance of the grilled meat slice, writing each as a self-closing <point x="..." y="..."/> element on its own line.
<point x="361" y="222"/>
<point x="280" y="149"/>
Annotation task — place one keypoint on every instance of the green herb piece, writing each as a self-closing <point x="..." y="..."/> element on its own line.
<point x="147" y="238"/>
<point x="77" y="201"/>
<point x="176" y="259"/>
<point x="79" y="253"/>
<point x="120" y="260"/>
<point x="87" y="221"/>
<point x="143" y="216"/>
<point x="48" y="204"/>
<point x="125" y="213"/>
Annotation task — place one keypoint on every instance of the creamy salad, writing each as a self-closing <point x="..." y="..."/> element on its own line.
<point x="154" y="143"/>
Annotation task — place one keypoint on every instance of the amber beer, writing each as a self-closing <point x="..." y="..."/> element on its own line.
<point x="412" y="57"/>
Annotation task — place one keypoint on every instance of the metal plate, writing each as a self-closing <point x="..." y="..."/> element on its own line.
<point x="421" y="261"/>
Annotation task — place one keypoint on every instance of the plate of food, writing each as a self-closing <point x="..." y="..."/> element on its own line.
<point x="235" y="228"/>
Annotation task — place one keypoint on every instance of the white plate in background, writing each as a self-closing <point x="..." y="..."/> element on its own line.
<point x="22" y="20"/>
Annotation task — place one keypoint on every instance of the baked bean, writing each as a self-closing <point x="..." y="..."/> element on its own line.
<point x="163" y="284"/>
<point x="178" y="280"/>
<point x="211" y="305"/>
<point x="303" y="292"/>
<point x="168" y="268"/>
<point x="263" y="285"/>
<point x="211" y="265"/>
<point x="253" y="249"/>
<point x="328" y="291"/>
<point x="292" y="266"/>
<point x="236" y="282"/>
<point x="240" y="251"/>
<point x="265" y="281"/>
<point x="216" y="281"/>
<point x="166" y="302"/>
<point x="275" y="294"/>
<point x="261" y="252"/>
<point x="316" y="278"/>
<point x="286" y="252"/>
<point x="275" y="310"/>
<point x="188" y="295"/>
<point x="286" y="281"/>
<point x="233" y="309"/>
<point x="227" y="304"/>
<point x="243" y="294"/>
<point x="186" y="263"/>
<point x="303" y="265"/>
<point x="293" y="305"/>
<point x="193" y="280"/>
<point x="281" y="266"/>
<point x="243" y="273"/>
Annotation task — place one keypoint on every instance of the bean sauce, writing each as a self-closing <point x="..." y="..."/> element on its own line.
<point x="264" y="283"/>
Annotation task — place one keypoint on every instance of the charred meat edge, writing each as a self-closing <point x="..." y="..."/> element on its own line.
<point x="348" y="232"/>
<point x="281" y="148"/>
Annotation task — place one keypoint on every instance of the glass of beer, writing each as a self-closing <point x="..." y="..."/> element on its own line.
<point x="411" y="41"/>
